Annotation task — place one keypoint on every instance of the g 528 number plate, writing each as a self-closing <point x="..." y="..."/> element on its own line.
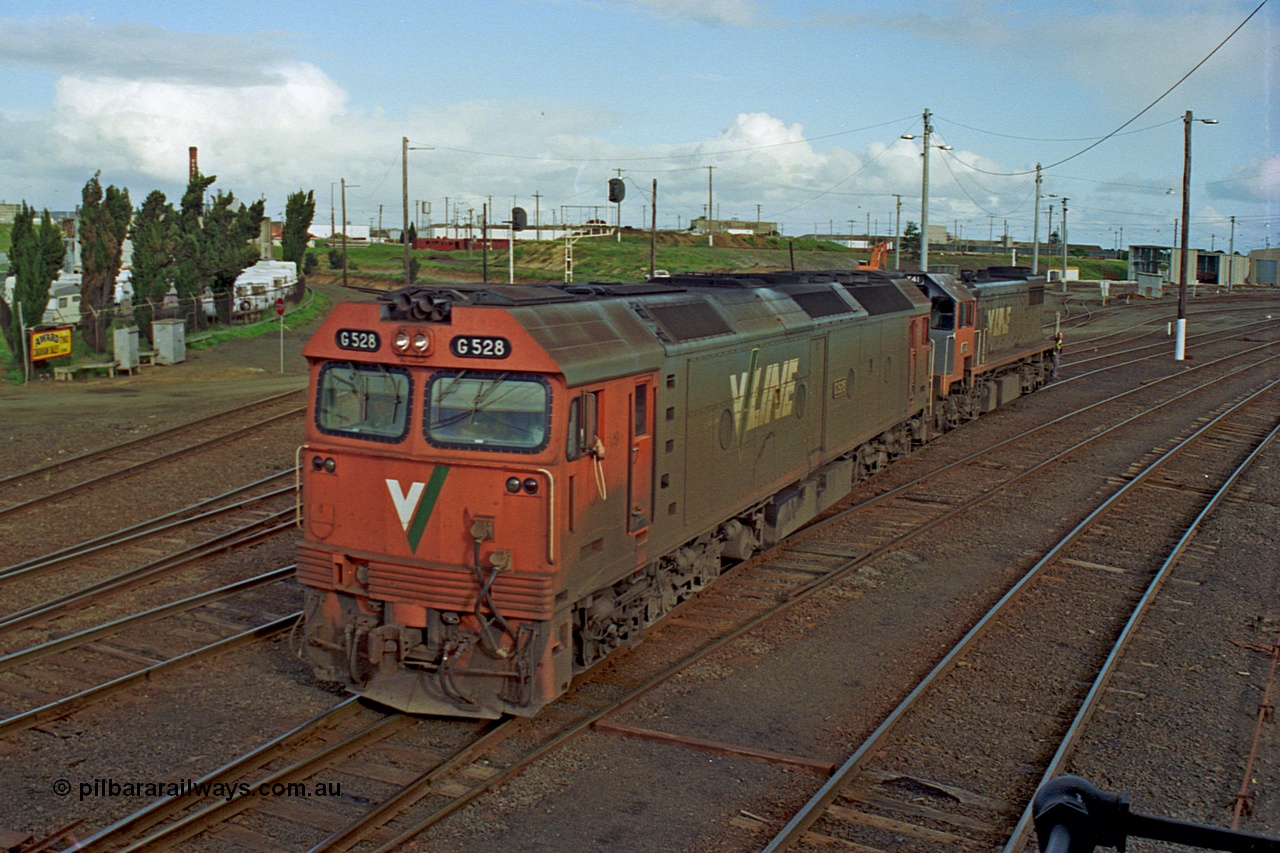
<point x="480" y="346"/>
<point x="360" y="340"/>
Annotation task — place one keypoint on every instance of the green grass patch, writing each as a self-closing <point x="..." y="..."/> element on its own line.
<point x="10" y="368"/>
<point x="314" y="305"/>
<point x="605" y="258"/>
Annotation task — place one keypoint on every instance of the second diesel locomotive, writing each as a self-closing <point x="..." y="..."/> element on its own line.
<point x="503" y="484"/>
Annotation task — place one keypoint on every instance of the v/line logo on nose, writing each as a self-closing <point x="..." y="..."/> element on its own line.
<point x="414" y="506"/>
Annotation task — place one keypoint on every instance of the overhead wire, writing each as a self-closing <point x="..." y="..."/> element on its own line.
<point x="831" y="190"/>
<point x="1145" y="109"/>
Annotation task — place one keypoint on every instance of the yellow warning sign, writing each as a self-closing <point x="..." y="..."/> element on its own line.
<point x="50" y="343"/>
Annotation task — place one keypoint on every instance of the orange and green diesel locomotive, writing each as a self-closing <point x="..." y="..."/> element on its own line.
<point x="503" y="484"/>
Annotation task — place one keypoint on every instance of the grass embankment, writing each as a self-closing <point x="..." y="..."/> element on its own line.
<point x="313" y="305"/>
<point x="608" y="259"/>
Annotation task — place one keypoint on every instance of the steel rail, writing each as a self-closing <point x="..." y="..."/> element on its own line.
<point x="88" y="635"/>
<point x="104" y="451"/>
<point x="897" y="490"/>
<point x="1210" y="304"/>
<point x="354" y="832"/>
<point x="1185" y="370"/>
<point x="147" y="463"/>
<point x="1210" y="337"/>
<point x="1021" y="831"/>
<point x="37" y="566"/>
<point x="198" y="821"/>
<point x="1158" y="321"/>
<point x="157" y="811"/>
<point x="77" y="701"/>
<point x="27" y="616"/>
<point x="825" y="795"/>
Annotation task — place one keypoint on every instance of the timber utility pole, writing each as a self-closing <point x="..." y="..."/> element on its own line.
<point x="653" y="227"/>
<point x="1035" y="227"/>
<point x="710" y="209"/>
<point x="404" y="178"/>
<point x="897" y="231"/>
<point x="1180" y="338"/>
<point x="344" y="230"/>
<point x="924" y="198"/>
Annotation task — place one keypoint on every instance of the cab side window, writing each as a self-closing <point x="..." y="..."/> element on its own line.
<point x="583" y="424"/>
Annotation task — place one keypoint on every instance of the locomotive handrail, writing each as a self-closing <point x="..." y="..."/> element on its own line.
<point x="1073" y="816"/>
<point x="933" y="354"/>
<point x="551" y="515"/>
<point x="297" y="483"/>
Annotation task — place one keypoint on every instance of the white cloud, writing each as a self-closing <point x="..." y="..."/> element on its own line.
<point x="761" y="137"/>
<point x="137" y="51"/>
<point x="148" y="125"/>
<point x="733" y="13"/>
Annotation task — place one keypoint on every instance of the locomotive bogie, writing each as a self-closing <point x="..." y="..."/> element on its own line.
<point x="503" y="485"/>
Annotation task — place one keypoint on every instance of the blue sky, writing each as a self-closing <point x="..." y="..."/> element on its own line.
<point x="798" y="106"/>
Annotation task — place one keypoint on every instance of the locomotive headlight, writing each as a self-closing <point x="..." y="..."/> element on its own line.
<point x="316" y="463"/>
<point x="421" y="343"/>
<point x="401" y="342"/>
<point x="513" y="484"/>
<point x="330" y="465"/>
<point x="531" y="485"/>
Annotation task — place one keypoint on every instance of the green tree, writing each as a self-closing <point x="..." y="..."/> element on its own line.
<point x="310" y="264"/>
<point x="228" y="246"/>
<point x="104" y="223"/>
<point x="216" y="242"/>
<point x="155" y="243"/>
<point x="911" y="241"/>
<point x="299" y="212"/>
<point x="187" y="279"/>
<point x="35" y="256"/>
<point x="413" y="233"/>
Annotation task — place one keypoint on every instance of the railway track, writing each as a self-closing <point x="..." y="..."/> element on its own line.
<point x="45" y="679"/>
<point x="371" y="751"/>
<point x="87" y="573"/>
<point x="741" y="601"/>
<point x="788" y="576"/>
<point x="63" y="676"/>
<point x="51" y="508"/>
<point x="1162" y="346"/>
<point x="65" y="476"/>
<point x="1076" y="608"/>
<point x="1078" y="313"/>
<point x="98" y="653"/>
